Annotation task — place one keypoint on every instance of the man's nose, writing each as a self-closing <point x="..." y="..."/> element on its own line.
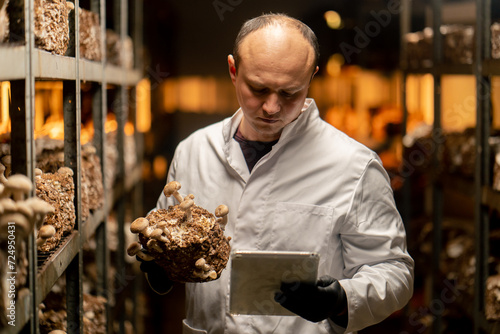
<point x="272" y="104"/>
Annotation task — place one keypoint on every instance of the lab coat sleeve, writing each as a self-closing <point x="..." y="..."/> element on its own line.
<point x="378" y="268"/>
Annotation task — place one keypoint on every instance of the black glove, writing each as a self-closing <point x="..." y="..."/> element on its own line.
<point x="156" y="276"/>
<point x="315" y="302"/>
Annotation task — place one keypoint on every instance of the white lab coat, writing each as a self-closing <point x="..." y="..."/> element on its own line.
<point x="317" y="190"/>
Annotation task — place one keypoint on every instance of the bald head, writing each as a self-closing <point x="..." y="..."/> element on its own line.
<point x="276" y="32"/>
<point x="278" y="49"/>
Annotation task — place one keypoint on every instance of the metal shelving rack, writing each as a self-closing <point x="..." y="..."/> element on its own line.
<point x="480" y="191"/>
<point x="23" y="64"/>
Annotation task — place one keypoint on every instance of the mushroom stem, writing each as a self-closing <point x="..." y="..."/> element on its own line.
<point x="152" y="243"/>
<point x="171" y="189"/>
<point x="3" y="179"/>
<point x="7" y="161"/>
<point x="46" y="231"/>
<point x="163" y="225"/>
<point x="23" y="225"/>
<point x="157" y="234"/>
<point x="186" y="207"/>
<point x="136" y="249"/>
<point x="19" y="185"/>
<point x="222" y="211"/>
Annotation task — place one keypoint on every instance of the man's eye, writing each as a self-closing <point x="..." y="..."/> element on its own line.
<point x="286" y="94"/>
<point x="259" y="90"/>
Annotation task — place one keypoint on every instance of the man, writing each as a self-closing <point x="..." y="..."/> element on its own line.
<point x="293" y="183"/>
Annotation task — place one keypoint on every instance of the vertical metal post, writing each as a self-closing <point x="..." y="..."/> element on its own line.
<point x="22" y="122"/>
<point x="137" y="192"/>
<point x="120" y="107"/>
<point x="482" y="172"/>
<point x="437" y="191"/>
<point x="99" y="108"/>
<point x="405" y="22"/>
<point x="72" y="159"/>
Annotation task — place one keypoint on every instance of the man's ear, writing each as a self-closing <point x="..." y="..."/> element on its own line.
<point x="232" y="67"/>
<point x="315" y="71"/>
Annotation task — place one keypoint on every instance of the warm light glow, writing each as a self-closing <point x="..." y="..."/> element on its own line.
<point x="495" y="101"/>
<point x="143" y="101"/>
<point x="419" y="100"/>
<point x="111" y="124"/>
<point x="458" y="102"/>
<point x="199" y="94"/>
<point x="4" y="107"/>
<point x="333" y="19"/>
<point x="170" y="95"/>
<point x="160" y="167"/>
<point x="190" y="91"/>
<point x="334" y="65"/>
<point x="129" y="129"/>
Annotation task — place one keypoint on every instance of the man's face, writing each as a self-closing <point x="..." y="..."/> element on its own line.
<point x="272" y="80"/>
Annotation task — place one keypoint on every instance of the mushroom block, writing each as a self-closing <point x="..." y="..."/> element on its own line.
<point x="190" y="246"/>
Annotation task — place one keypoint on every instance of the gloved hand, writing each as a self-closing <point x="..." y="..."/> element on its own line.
<point x="315" y="302"/>
<point x="156" y="276"/>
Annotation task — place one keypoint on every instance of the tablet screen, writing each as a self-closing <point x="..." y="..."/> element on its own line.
<point x="257" y="275"/>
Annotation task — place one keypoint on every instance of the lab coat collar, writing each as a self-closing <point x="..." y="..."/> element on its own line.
<point x="234" y="155"/>
<point x="231" y="124"/>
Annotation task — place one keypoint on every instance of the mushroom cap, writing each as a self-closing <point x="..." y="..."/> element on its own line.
<point x="139" y="225"/>
<point x="57" y="331"/>
<point x="200" y="263"/>
<point x="171" y="188"/>
<point x="19" y="182"/>
<point x="156" y="233"/>
<point x="133" y="248"/>
<point x="186" y="204"/>
<point x="221" y="210"/>
<point x="23" y="226"/>
<point x="2" y="188"/>
<point x="25" y="209"/>
<point x="65" y="170"/>
<point x="46" y="231"/>
<point x="7" y="159"/>
<point x="38" y="172"/>
<point x="39" y="205"/>
<point x="8" y="205"/>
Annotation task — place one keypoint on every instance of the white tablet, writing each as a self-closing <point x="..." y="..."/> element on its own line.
<point x="257" y="275"/>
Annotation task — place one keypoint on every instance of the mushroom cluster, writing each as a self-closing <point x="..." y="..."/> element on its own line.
<point x="57" y="189"/>
<point x="16" y="206"/>
<point x="492" y="308"/>
<point x="187" y="240"/>
<point x="50" y="158"/>
<point x="19" y="213"/>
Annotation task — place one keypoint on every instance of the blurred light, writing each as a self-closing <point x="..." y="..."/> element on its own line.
<point x="160" y="165"/>
<point x="334" y="65"/>
<point x="333" y="19"/>
<point x="4" y="106"/>
<point x="143" y="100"/>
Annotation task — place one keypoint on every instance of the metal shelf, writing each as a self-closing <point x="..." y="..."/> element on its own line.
<point x="491" y="198"/>
<point x="22" y="65"/>
<point x="491" y="67"/>
<point x="54" y="266"/>
<point x="443" y="69"/>
<point x="477" y="189"/>
<point x="47" y="66"/>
